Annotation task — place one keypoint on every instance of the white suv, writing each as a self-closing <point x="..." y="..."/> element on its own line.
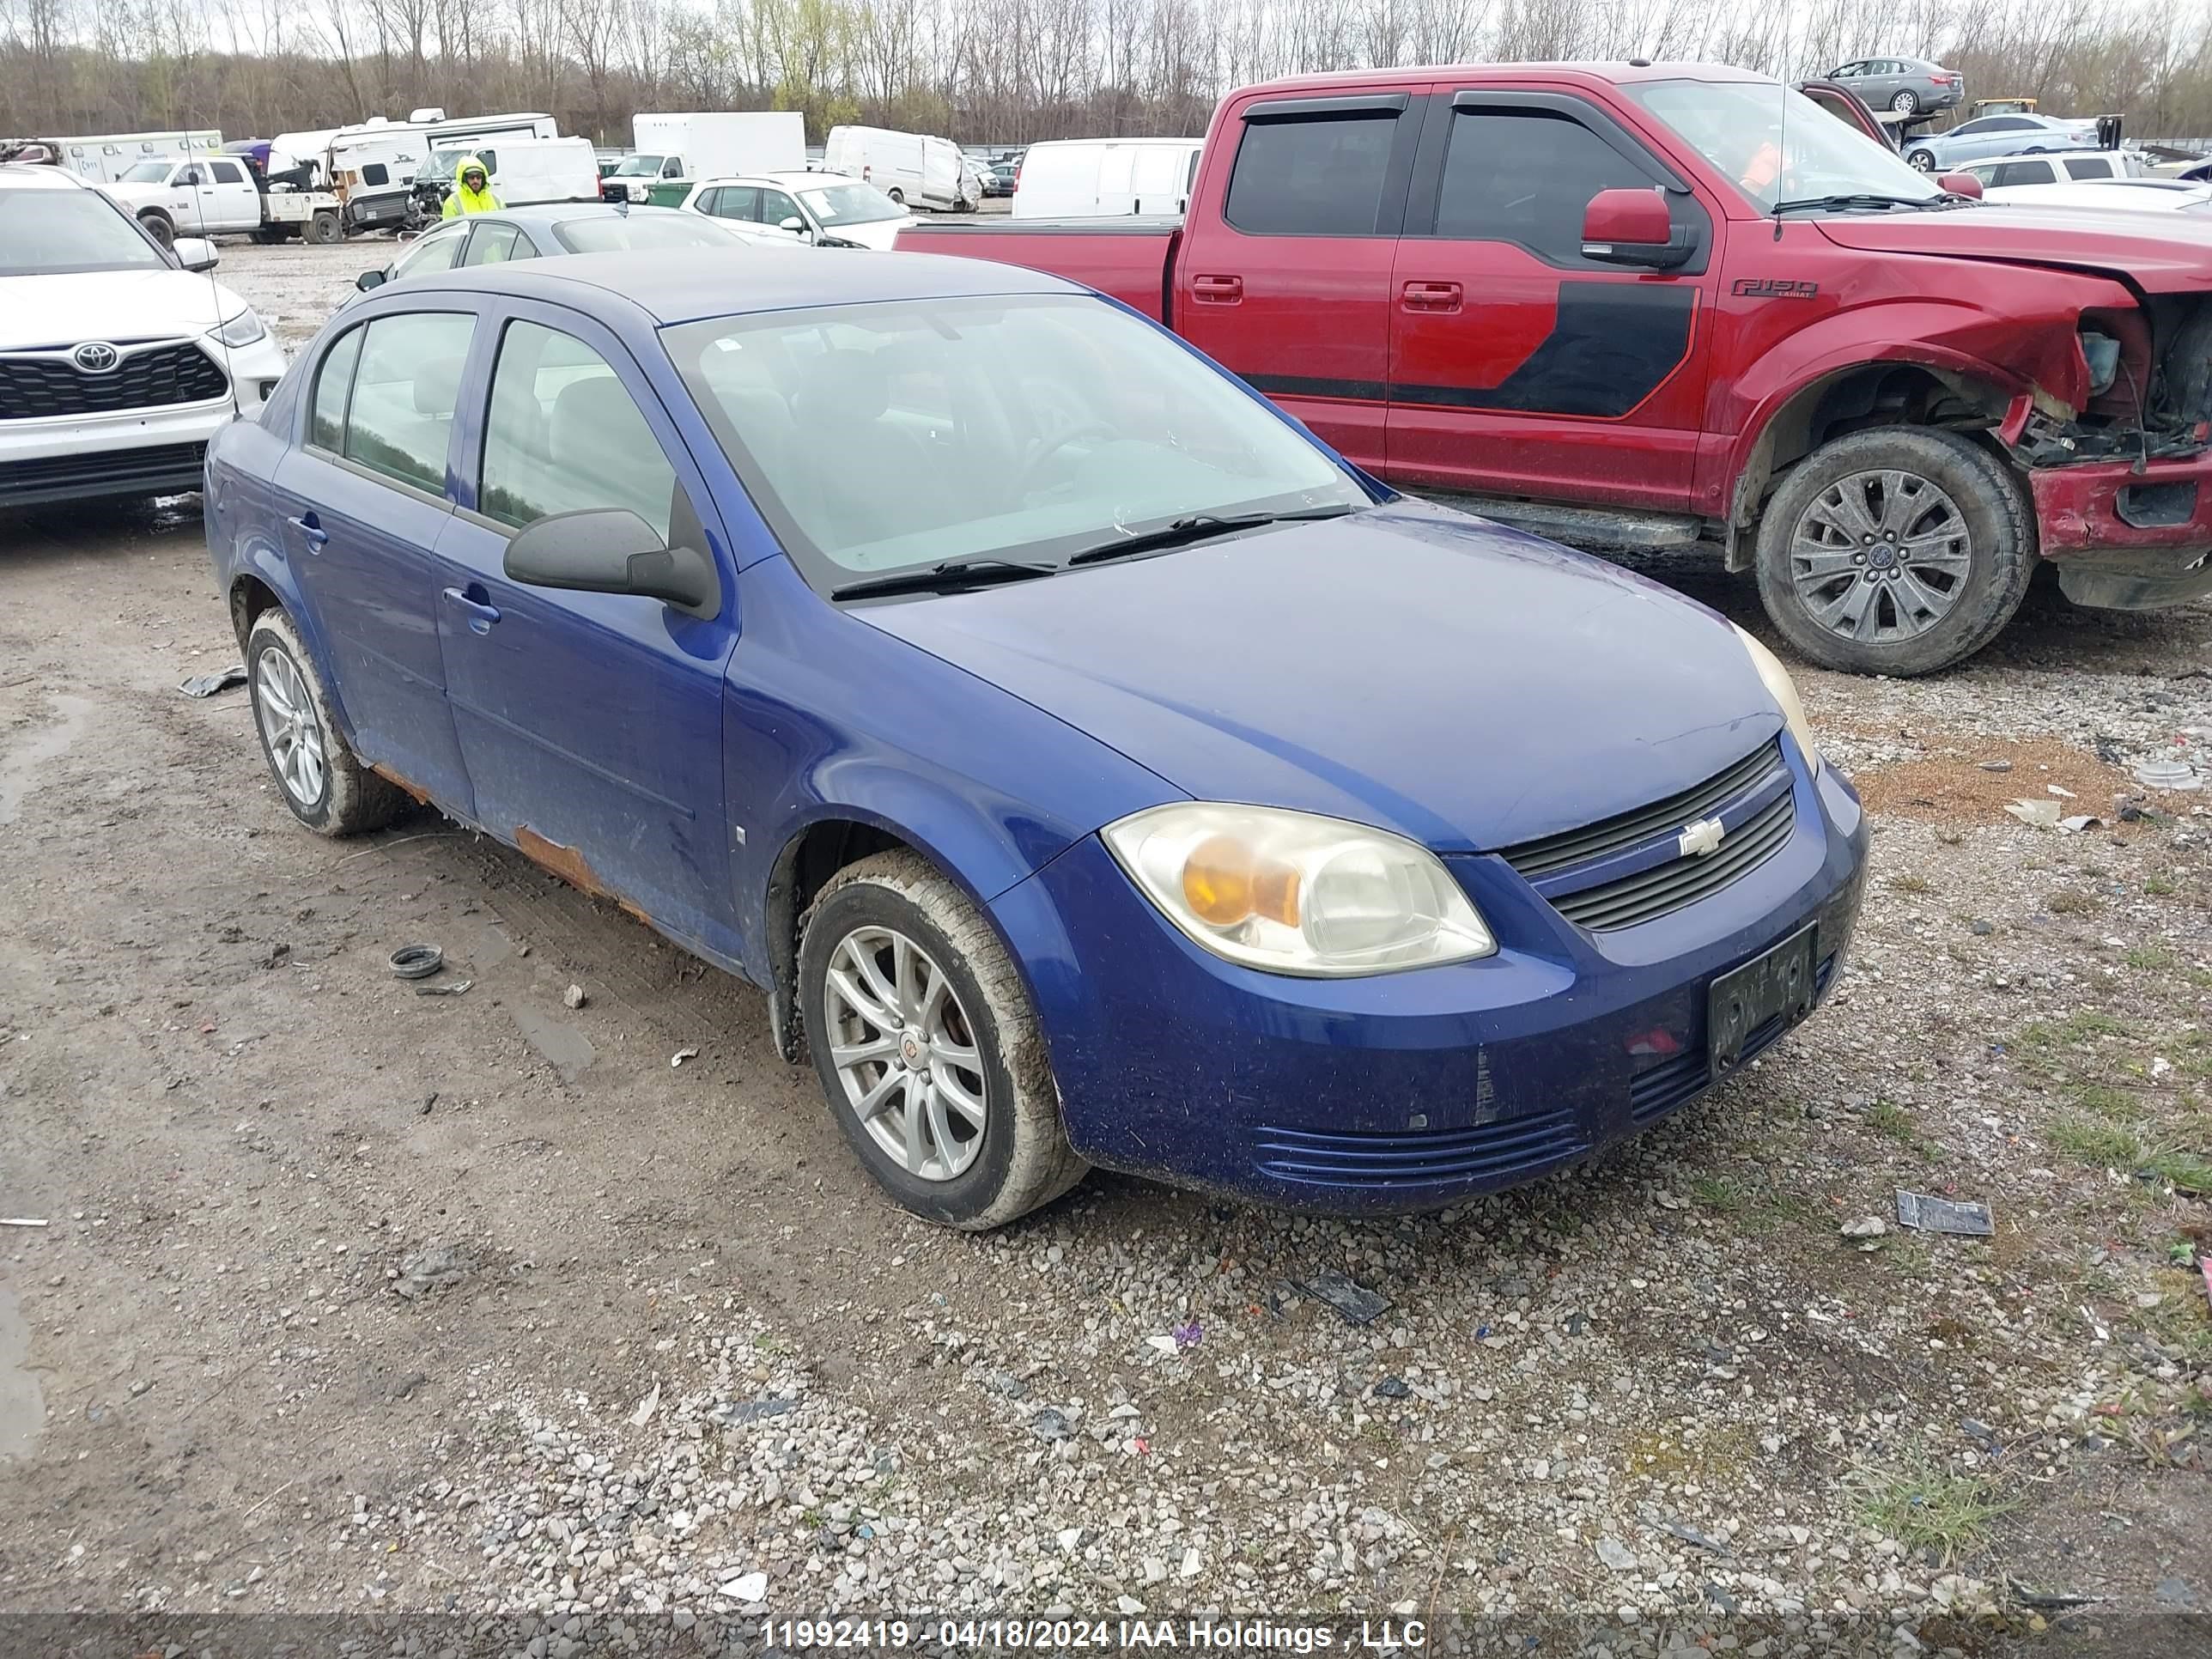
<point x="118" y="359"/>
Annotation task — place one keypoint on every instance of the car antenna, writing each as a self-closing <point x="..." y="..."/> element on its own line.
<point x="1781" y="156"/>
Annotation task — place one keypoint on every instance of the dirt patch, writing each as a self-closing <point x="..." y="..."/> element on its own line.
<point x="1956" y="785"/>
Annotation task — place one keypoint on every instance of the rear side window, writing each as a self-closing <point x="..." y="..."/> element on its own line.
<point x="1311" y="176"/>
<point x="1524" y="177"/>
<point x="227" y="172"/>
<point x="2022" y="173"/>
<point x="2089" y="166"/>
<point x="333" y="382"/>
<point x="491" y="245"/>
<point x="564" y="434"/>
<point x="404" y="391"/>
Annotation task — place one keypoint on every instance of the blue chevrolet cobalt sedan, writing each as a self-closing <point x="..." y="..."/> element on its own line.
<point x="1090" y="766"/>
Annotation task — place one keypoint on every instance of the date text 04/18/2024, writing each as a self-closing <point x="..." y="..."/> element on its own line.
<point x="1070" y="1634"/>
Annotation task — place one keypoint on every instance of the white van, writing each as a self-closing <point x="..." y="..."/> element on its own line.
<point x="1105" y="178"/>
<point x="523" y="170"/>
<point x="912" y="169"/>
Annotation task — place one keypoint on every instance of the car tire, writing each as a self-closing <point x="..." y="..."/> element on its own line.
<point x="1945" y="546"/>
<point x="1907" y="102"/>
<point x="316" y="771"/>
<point x="159" y="228"/>
<point x="1922" y="159"/>
<point x="323" y="229"/>
<point x="933" y="1157"/>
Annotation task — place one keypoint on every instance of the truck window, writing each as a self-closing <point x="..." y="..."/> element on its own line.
<point x="2089" y="166"/>
<point x="2022" y="173"/>
<point x="227" y="172"/>
<point x="1525" y="177"/>
<point x="1311" y="176"/>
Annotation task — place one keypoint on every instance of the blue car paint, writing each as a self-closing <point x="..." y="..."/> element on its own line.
<point x="1409" y="668"/>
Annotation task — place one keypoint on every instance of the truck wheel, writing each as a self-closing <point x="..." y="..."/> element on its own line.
<point x="268" y="235"/>
<point x="1905" y="103"/>
<point x="897" y="195"/>
<point x="923" y="1036"/>
<point x="1895" y="551"/>
<point x="159" y="228"/>
<point x="324" y="228"/>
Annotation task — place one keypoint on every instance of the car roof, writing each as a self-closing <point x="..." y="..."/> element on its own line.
<point x="559" y="213"/>
<point x="682" y="285"/>
<point x="1579" y="74"/>
<point x="37" y="175"/>
<point x="780" y="181"/>
<point x="2044" y="155"/>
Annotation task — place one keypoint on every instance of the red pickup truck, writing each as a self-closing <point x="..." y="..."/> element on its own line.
<point x="1664" y="304"/>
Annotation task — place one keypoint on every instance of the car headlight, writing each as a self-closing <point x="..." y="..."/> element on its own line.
<point x="1296" y="893"/>
<point x="1784" y="690"/>
<point x="242" y="330"/>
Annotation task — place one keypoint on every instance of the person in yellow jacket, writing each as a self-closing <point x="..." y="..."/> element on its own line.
<point x="471" y="190"/>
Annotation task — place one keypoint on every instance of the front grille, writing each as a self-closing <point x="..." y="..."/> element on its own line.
<point x="1673" y="882"/>
<point x="154" y="377"/>
<point x="157" y="469"/>
<point x="1501" y="1151"/>
<point x="1658" y="1090"/>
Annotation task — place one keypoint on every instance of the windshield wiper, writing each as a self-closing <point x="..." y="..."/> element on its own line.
<point x="1197" y="528"/>
<point x="942" y="577"/>
<point x="1865" y="199"/>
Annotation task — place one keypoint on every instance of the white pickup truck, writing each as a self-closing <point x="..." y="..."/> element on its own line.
<point x="207" y="195"/>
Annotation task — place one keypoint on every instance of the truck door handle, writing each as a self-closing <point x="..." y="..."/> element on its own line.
<point x="1432" y="296"/>
<point x="1217" y="290"/>
<point x="311" y="531"/>
<point x="481" y="616"/>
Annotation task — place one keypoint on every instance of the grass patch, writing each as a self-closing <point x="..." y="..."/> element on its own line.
<point x="1908" y="881"/>
<point x="1723" y="1195"/>
<point x="2158" y="886"/>
<point x="2105" y="1101"/>
<point x="1886" y="1117"/>
<point x="1929" y="1509"/>
<point x="2073" y="901"/>
<point x="2188" y="1171"/>
<point x="2106" y="1145"/>
<point x="2149" y="957"/>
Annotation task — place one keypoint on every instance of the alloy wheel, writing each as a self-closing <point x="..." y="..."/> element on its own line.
<point x="290" y="725"/>
<point x="1879" y="556"/>
<point x="904" y="1049"/>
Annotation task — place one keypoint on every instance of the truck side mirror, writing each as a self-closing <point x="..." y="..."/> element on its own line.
<point x="1632" y="227"/>
<point x="1962" y="184"/>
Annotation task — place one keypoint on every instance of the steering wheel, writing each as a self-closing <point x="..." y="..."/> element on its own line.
<point x="1048" y="447"/>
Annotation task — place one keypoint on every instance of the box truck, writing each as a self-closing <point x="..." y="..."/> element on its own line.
<point x="674" y="152"/>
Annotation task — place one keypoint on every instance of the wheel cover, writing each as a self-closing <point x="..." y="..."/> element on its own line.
<point x="903" y="1048"/>
<point x="1903" y="103"/>
<point x="290" y="725"/>
<point x="1922" y="160"/>
<point x="1880" y="557"/>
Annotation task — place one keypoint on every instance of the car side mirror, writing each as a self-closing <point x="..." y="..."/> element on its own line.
<point x="195" y="253"/>
<point x="1634" y="228"/>
<point x="1962" y="184"/>
<point x="369" y="279"/>
<point x="612" y="551"/>
<point x="793" y="223"/>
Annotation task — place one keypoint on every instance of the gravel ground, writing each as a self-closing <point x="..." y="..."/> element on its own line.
<point x="357" y="1301"/>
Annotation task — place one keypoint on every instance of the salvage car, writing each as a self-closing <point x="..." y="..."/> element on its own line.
<point x="119" y="358"/>
<point x="550" y="231"/>
<point x="1092" y="768"/>
<point x="1676" y="305"/>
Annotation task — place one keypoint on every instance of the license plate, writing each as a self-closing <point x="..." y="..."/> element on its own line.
<point x="1742" y="1000"/>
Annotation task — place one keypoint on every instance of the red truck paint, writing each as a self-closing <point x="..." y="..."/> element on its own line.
<point x="1445" y="363"/>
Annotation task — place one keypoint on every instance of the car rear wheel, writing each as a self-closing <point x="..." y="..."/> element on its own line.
<point x="924" y="1040"/>
<point x="1924" y="160"/>
<point x="1895" y="551"/>
<point x="1906" y="102"/>
<point x="317" y="773"/>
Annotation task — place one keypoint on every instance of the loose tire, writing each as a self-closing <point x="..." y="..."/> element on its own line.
<point x="1924" y="161"/>
<point x="1895" y="551"/>
<point x="323" y="229"/>
<point x="317" y="773"/>
<point x="159" y="228"/>
<point x="926" y="1045"/>
<point x="1907" y="102"/>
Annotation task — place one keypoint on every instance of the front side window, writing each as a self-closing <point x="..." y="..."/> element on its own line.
<point x="776" y="207"/>
<point x="333" y="386"/>
<point x="400" y="421"/>
<point x="145" y="173"/>
<point x="673" y="168"/>
<point x="564" y="434"/>
<point x="1523" y="176"/>
<point x="1778" y="146"/>
<point x="885" y="437"/>
<point x="58" y="231"/>
<point x="1312" y="175"/>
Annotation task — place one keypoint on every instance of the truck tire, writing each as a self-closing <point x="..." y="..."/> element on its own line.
<point x="897" y="195"/>
<point x="159" y="228"/>
<point x="268" y="235"/>
<point x="323" y="229"/>
<point x="1895" y="551"/>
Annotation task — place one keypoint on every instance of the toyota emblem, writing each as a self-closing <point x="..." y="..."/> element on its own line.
<point x="95" y="356"/>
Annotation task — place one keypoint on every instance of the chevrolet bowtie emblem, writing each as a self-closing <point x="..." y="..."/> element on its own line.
<point x="1701" y="838"/>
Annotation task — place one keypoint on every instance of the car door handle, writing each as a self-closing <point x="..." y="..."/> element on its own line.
<point x="1432" y="296"/>
<point x="310" y="531"/>
<point x="1217" y="290"/>
<point x="481" y="616"/>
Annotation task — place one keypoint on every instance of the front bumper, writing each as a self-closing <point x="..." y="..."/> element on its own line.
<point x="1402" y="1092"/>
<point x="2126" y="539"/>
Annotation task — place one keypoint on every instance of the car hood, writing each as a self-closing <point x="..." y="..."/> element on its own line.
<point x="1410" y="667"/>
<point x="110" y="305"/>
<point x="878" y="235"/>
<point x="2160" y="252"/>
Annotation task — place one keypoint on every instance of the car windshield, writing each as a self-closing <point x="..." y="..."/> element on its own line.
<point x="895" y="437"/>
<point x="1779" y="145"/>
<point x="615" y="231"/>
<point x="43" y="232"/>
<point x="638" y="167"/>
<point x="851" y="204"/>
<point x="145" y="173"/>
<point x="442" y="163"/>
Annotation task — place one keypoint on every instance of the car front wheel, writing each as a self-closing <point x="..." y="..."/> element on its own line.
<point x="317" y="774"/>
<point x="1922" y="159"/>
<point x="925" y="1042"/>
<point x="1895" y="551"/>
